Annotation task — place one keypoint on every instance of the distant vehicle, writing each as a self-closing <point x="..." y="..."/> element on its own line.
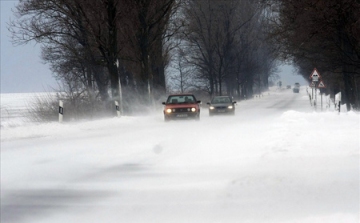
<point x="181" y="106"/>
<point x="296" y="88"/>
<point x="288" y="86"/>
<point x="221" y="105"/>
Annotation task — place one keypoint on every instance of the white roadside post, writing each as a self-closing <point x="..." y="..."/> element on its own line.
<point x="338" y="101"/>
<point x="61" y="111"/>
<point x="117" y="108"/>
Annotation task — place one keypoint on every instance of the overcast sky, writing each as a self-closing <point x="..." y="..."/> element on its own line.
<point x="21" y="66"/>
<point x="23" y="71"/>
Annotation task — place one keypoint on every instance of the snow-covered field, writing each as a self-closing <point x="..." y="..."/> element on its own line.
<point x="276" y="160"/>
<point x="15" y="107"/>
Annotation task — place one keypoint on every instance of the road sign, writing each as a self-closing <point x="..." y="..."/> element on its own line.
<point x="321" y="85"/>
<point x="315" y="75"/>
<point x="312" y="85"/>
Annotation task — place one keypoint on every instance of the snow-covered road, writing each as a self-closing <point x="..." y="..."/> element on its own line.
<point x="276" y="160"/>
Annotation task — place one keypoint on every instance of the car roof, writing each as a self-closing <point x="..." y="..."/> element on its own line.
<point x="221" y="96"/>
<point x="181" y="94"/>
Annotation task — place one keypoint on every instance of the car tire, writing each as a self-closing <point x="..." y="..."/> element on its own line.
<point x="166" y="119"/>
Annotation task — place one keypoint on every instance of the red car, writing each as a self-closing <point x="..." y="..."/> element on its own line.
<point x="181" y="106"/>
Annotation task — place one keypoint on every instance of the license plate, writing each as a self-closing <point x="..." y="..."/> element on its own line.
<point x="181" y="115"/>
<point x="222" y="110"/>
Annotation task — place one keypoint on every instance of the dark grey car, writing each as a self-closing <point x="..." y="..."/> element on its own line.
<point x="221" y="105"/>
<point x="296" y="88"/>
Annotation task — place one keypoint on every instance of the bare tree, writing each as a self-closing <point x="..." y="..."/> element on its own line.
<point x="61" y="29"/>
<point x="224" y="38"/>
<point x="184" y="80"/>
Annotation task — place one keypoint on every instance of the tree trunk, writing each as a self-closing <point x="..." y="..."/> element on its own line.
<point x="113" y="48"/>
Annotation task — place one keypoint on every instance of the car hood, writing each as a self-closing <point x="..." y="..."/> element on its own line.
<point x="185" y="105"/>
<point x="221" y="105"/>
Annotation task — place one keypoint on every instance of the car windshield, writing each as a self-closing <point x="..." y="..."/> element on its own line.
<point x="180" y="99"/>
<point x="220" y="100"/>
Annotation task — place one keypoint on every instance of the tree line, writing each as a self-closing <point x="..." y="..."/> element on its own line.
<point x="323" y="35"/>
<point x="142" y="49"/>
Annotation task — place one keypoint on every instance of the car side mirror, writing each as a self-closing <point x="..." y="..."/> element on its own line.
<point x="199" y="102"/>
<point x="234" y="102"/>
<point x="163" y="103"/>
<point x="208" y="103"/>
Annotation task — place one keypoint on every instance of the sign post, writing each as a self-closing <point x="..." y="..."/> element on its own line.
<point x="315" y="76"/>
<point x="312" y="85"/>
<point x="321" y="85"/>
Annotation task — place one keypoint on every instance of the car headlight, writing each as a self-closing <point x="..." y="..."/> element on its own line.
<point x="168" y="110"/>
<point x="230" y="107"/>
<point x="193" y="109"/>
<point x="212" y="107"/>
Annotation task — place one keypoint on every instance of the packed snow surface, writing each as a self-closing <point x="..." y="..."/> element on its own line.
<point x="277" y="160"/>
